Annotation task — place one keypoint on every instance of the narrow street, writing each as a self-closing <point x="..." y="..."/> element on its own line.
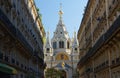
<point x="60" y="39"/>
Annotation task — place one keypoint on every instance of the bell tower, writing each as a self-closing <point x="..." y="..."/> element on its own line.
<point x="48" y="48"/>
<point x="75" y="49"/>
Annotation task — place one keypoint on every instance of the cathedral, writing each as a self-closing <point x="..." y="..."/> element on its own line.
<point x="62" y="52"/>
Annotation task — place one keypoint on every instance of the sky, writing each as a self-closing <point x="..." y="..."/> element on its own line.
<point x="73" y="12"/>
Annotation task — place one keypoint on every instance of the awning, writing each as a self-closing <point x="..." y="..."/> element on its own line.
<point x="7" y="69"/>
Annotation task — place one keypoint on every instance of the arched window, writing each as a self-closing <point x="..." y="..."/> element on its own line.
<point x="47" y="50"/>
<point x="75" y="50"/>
<point x="61" y="44"/>
<point x="54" y="45"/>
<point x="68" y="45"/>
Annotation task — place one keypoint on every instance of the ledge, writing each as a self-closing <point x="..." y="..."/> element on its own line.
<point x="14" y="31"/>
<point x="102" y="40"/>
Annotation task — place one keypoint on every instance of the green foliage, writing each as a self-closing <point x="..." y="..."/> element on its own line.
<point x="40" y="15"/>
<point x="38" y="9"/>
<point x="53" y="73"/>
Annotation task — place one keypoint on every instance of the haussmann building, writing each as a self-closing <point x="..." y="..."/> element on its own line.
<point x="21" y="40"/>
<point x="99" y="40"/>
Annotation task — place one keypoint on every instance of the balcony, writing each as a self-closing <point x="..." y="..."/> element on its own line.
<point x="92" y="51"/>
<point x="102" y="40"/>
<point x="21" y="38"/>
<point x="14" y="31"/>
<point x="115" y="62"/>
<point x="101" y="66"/>
<point x="113" y="29"/>
<point x="98" y="44"/>
<point x="89" y="70"/>
<point x="113" y="6"/>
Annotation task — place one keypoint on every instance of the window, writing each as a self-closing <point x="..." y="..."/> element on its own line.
<point x="6" y="58"/>
<point x="13" y="60"/>
<point x="14" y="5"/>
<point x="54" y="45"/>
<point x="17" y="63"/>
<point x="68" y="45"/>
<point x="22" y="66"/>
<point x="18" y="12"/>
<point x="48" y="49"/>
<point x="113" y="1"/>
<point x="75" y="49"/>
<point x="21" y="75"/>
<point x="61" y="44"/>
<point x="1" y="55"/>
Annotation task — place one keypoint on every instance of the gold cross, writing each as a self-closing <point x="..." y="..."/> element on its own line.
<point x="60" y="12"/>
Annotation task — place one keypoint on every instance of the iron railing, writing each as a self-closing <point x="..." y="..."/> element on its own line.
<point x="14" y="31"/>
<point x="102" y="40"/>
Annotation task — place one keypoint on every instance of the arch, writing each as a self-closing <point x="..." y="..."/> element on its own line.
<point x="62" y="56"/>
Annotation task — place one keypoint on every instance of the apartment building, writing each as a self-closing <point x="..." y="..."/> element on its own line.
<point x="21" y="40"/>
<point x="99" y="40"/>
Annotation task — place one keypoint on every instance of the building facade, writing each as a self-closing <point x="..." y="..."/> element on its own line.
<point x="61" y="52"/>
<point x="21" y="40"/>
<point x="99" y="38"/>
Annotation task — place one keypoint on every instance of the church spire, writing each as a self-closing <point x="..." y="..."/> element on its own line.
<point x="48" y="43"/>
<point x="75" y="40"/>
<point x="48" y="35"/>
<point x="61" y="30"/>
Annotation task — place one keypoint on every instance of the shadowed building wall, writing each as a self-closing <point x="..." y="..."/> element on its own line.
<point x="99" y="39"/>
<point x="21" y="40"/>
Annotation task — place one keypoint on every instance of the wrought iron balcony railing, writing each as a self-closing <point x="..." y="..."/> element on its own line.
<point x="14" y="31"/>
<point x="102" y="40"/>
<point x="113" y="29"/>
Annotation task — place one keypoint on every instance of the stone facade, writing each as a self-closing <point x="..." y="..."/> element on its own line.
<point x="21" y="40"/>
<point x="99" y="38"/>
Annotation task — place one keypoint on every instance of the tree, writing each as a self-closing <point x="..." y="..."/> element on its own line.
<point x="53" y="73"/>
